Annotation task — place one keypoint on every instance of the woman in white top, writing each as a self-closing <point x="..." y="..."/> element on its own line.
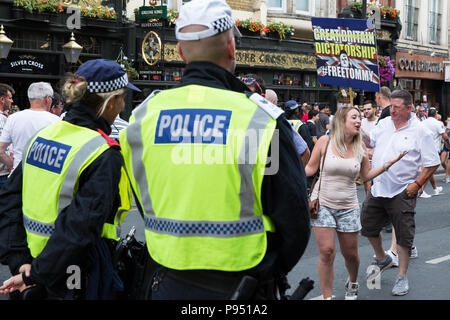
<point x="345" y="158"/>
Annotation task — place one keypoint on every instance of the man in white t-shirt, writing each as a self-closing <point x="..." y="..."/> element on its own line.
<point x="367" y="124"/>
<point x="438" y="130"/>
<point x="394" y="192"/>
<point x="370" y="120"/>
<point x="22" y="126"/>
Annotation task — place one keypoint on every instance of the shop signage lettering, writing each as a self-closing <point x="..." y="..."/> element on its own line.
<point x="24" y="63"/>
<point x="258" y="58"/>
<point x="420" y="65"/>
<point x="152" y="24"/>
<point x="153" y="12"/>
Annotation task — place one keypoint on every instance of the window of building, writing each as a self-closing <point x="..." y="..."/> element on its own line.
<point x="411" y="19"/>
<point x="435" y="22"/>
<point x="277" y="5"/>
<point x="304" y="7"/>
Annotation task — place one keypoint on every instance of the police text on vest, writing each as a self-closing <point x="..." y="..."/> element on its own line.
<point x="192" y="126"/>
<point x="48" y="155"/>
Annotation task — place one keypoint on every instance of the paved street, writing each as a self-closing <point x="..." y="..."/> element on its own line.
<point x="427" y="281"/>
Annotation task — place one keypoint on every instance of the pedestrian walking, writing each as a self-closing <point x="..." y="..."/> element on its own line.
<point x="437" y="128"/>
<point x="341" y="157"/>
<point x="313" y="117"/>
<point x="292" y="110"/>
<point x="57" y="105"/>
<point x="6" y="100"/>
<point x="323" y="124"/>
<point x="62" y="205"/>
<point x="393" y="194"/>
<point x="234" y="223"/>
<point x="367" y="124"/>
<point x="383" y="100"/>
<point x="272" y="96"/>
<point x="23" y="125"/>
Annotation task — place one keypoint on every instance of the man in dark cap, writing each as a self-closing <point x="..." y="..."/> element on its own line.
<point x="225" y="236"/>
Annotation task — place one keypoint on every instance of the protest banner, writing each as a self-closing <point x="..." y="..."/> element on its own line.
<point x="346" y="53"/>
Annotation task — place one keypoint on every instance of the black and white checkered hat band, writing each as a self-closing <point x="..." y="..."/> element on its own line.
<point x="223" y="24"/>
<point x="220" y="25"/>
<point x="108" y="86"/>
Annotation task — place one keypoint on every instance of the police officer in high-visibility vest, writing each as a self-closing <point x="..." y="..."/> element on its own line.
<point x="216" y="174"/>
<point x="62" y="206"/>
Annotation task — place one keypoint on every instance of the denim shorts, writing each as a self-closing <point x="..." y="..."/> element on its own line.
<point x="343" y="220"/>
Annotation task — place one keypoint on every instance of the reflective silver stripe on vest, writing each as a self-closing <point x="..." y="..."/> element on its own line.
<point x="247" y="159"/>
<point x="134" y="138"/>
<point x="67" y="187"/>
<point x="247" y="223"/>
<point x="37" y="227"/>
<point x="27" y="146"/>
<point x="216" y="229"/>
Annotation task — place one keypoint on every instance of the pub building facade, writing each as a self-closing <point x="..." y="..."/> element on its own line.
<point x="424" y="77"/>
<point x="287" y="66"/>
<point x="37" y="53"/>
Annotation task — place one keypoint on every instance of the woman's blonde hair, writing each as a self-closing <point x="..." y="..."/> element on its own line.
<point x="338" y="134"/>
<point x="75" y="89"/>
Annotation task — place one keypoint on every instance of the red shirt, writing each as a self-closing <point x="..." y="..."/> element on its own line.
<point x="305" y="117"/>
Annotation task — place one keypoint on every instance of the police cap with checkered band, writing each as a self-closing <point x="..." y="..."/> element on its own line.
<point x="213" y="14"/>
<point x="104" y="76"/>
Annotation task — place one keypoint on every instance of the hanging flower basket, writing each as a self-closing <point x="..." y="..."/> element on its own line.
<point x="387" y="69"/>
<point x="250" y="28"/>
<point x="279" y="29"/>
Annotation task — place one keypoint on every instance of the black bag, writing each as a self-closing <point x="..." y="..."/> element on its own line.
<point x="135" y="267"/>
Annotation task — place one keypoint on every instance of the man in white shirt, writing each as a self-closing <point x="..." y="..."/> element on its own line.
<point x="394" y="193"/>
<point x="22" y="126"/>
<point x="6" y="100"/>
<point x="367" y="124"/>
<point x="438" y="130"/>
<point x="370" y="116"/>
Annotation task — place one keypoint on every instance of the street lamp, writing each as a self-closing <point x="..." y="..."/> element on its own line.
<point x="72" y="50"/>
<point x="5" y="44"/>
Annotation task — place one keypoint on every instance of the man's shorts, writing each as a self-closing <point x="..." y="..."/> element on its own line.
<point x="401" y="209"/>
<point x="344" y="220"/>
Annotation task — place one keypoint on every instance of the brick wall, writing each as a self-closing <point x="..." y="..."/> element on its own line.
<point x="242" y="5"/>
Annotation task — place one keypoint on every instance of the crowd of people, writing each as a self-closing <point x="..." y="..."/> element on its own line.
<point x="339" y="207"/>
<point x="231" y="231"/>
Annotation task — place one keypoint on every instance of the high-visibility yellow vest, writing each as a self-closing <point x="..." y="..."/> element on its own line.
<point x="196" y="158"/>
<point x="52" y="164"/>
<point x="296" y="124"/>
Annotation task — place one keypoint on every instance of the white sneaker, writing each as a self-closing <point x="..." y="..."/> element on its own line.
<point x="425" y="195"/>
<point x="394" y="258"/>
<point x="351" y="290"/>
<point x="447" y="180"/>
<point x="413" y="253"/>
<point x="437" y="191"/>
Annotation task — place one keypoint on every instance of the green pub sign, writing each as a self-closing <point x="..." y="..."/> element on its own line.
<point x="156" y="12"/>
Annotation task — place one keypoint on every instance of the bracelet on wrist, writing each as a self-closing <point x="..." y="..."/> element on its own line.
<point x="418" y="184"/>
